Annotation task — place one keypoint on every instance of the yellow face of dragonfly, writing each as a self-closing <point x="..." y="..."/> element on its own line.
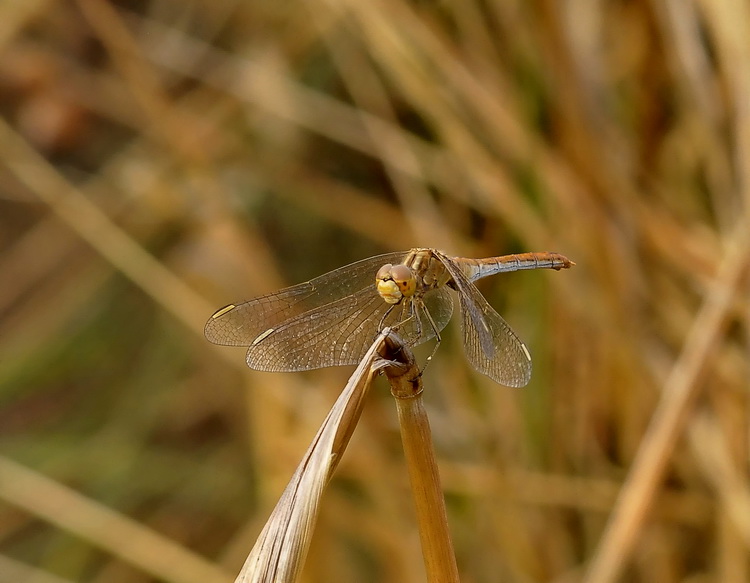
<point x="395" y="282"/>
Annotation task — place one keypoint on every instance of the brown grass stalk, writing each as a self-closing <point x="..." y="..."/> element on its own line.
<point x="108" y="530"/>
<point x="424" y="476"/>
<point x="280" y="551"/>
<point x="678" y="398"/>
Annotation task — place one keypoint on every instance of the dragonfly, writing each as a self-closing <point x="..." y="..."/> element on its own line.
<point x="332" y="319"/>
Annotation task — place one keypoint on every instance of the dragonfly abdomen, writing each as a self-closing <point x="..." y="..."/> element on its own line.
<point x="479" y="268"/>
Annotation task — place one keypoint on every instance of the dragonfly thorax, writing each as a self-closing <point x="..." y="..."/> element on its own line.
<point x="395" y="282"/>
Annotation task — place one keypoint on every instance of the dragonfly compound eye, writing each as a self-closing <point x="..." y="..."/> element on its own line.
<point x="394" y="282"/>
<point x="404" y="278"/>
<point x="384" y="272"/>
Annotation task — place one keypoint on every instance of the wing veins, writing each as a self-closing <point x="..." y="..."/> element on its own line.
<point x="491" y="345"/>
<point x="242" y="324"/>
<point x="332" y="334"/>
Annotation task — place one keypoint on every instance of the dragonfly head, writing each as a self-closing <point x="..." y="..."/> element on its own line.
<point x="394" y="282"/>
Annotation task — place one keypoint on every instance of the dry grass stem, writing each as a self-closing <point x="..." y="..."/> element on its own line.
<point x="406" y="386"/>
<point x="279" y="553"/>
<point x="98" y="230"/>
<point x="678" y="397"/>
<point x="104" y="528"/>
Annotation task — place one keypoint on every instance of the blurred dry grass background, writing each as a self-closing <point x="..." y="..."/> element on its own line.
<point x="159" y="159"/>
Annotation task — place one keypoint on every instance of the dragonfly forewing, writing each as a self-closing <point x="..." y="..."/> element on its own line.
<point x="340" y="332"/>
<point x="337" y="333"/>
<point x="243" y="323"/>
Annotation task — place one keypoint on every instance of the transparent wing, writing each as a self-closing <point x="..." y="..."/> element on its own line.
<point x="241" y="324"/>
<point x="414" y="326"/>
<point x="339" y="333"/>
<point x="491" y="346"/>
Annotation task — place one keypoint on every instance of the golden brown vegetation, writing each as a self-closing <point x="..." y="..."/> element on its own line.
<point x="159" y="159"/>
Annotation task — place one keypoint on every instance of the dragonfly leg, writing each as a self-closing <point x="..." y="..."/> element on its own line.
<point x="405" y="307"/>
<point x="413" y="314"/>
<point x="381" y="325"/>
<point x="435" y="329"/>
<point x="409" y="309"/>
